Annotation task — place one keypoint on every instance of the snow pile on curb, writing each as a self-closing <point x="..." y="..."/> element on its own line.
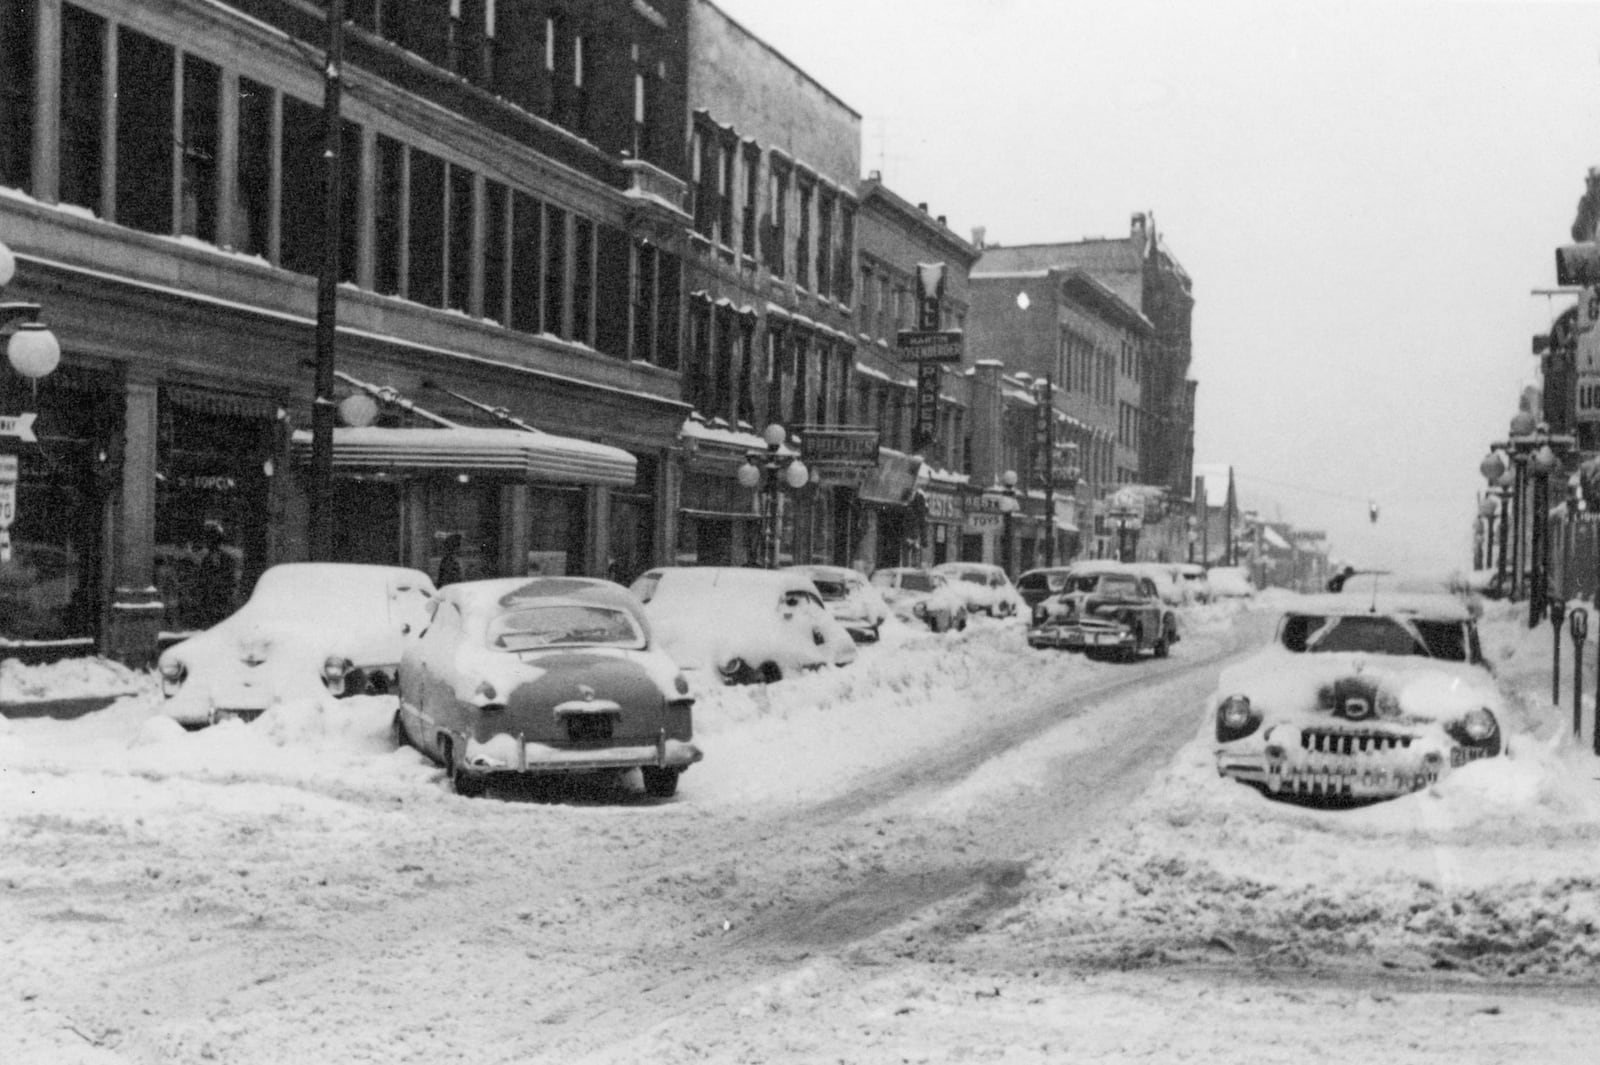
<point x="1495" y="870"/>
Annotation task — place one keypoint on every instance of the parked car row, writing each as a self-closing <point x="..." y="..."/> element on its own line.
<point x="545" y="675"/>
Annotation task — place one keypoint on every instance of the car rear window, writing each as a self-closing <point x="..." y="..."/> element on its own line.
<point x="975" y="578"/>
<point x="832" y="589"/>
<point x="916" y="582"/>
<point x="563" y="624"/>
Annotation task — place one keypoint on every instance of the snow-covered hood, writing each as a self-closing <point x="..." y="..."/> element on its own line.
<point x="1358" y="685"/>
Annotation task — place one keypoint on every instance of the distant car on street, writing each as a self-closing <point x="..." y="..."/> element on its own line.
<point x="525" y="676"/>
<point x="1359" y="698"/>
<point x="921" y="595"/>
<point x="849" y="597"/>
<point x="1193" y="577"/>
<point x="1105" y="609"/>
<point x="1230" y="582"/>
<point x="742" y="625"/>
<point x="1037" y="585"/>
<point x="308" y="628"/>
<point x="985" y="588"/>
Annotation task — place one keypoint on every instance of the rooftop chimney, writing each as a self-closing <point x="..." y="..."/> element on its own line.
<point x="922" y="207"/>
<point x="978" y="233"/>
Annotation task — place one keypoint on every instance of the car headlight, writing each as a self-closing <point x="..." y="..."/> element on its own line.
<point x="1236" y="718"/>
<point x="1478" y="728"/>
<point x="173" y="674"/>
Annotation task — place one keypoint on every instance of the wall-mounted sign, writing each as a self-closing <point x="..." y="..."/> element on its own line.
<point x="8" y="503"/>
<point x="846" y="446"/>
<point x="944" y="507"/>
<point x="19" y="426"/>
<point x="938" y="345"/>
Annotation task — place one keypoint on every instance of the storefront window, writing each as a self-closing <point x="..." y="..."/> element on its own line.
<point x="50" y="590"/>
<point x="468" y="508"/>
<point x="558" y="531"/>
<point x="633" y="522"/>
<point x="211" y="503"/>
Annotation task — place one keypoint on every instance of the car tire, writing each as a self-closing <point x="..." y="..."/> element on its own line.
<point x="1161" y="649"/>
<point x="961" y="623"/>
<point x="397" y="732"/>
<point x="660" y="782"/>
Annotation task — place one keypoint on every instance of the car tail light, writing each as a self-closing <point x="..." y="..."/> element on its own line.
<point x="173" y="674"/>
<point x="333" y="673"/>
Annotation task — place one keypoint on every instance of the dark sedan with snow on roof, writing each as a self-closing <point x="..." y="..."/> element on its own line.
<point x="1359" y="699"/>
<point x="540" y="675"/>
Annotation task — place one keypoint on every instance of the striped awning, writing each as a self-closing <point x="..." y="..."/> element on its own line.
<point x="535" y="457"/>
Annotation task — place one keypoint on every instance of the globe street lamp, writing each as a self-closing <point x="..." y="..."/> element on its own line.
<point x="767" y="473"/>
<point x="33" y="352"/>
<point x="1495" y="470"/>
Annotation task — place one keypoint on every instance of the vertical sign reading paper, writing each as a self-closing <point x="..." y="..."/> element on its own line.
<point x="8" y="503"/>
<point x="927" y="404"/>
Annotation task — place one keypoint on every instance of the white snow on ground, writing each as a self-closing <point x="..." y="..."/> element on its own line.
<point x="1494" y="871"/>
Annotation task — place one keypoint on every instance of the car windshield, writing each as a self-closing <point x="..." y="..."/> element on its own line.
<point x="916" y="582"/>
<point x="975" y="578"/>
<point x="564" y="624"/>
<point x="1377" y="634"/>
<point x="1103" y="584"/>
<point x="832" y="590"/>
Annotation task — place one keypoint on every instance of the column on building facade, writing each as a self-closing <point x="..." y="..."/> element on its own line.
<point x="134" y="620"/>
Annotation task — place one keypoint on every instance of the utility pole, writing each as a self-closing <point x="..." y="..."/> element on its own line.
<point x="322" y="404"/>
<point x="1049" y="413"/>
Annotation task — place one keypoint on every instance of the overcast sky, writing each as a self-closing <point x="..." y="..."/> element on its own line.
<point x="1364" y="194"/>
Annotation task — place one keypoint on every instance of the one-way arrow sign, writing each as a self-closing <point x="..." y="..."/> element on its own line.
<point x="19" y="426"/>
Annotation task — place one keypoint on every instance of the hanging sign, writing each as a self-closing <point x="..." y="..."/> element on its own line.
<point x="8" y="503"/>
<point x="19" y="426"/>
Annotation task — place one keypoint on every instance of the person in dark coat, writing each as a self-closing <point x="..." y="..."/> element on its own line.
<point x="449" y="562"/>
<point x="217" y="580"/>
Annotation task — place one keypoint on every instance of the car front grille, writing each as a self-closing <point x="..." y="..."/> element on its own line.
<point x="1338" y="741"/>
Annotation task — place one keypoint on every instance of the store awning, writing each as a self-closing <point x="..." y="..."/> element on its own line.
<point x="536" y="457"/>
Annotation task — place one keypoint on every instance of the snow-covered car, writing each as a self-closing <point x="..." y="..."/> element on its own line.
<point x="523" y="676"/>
<point x="1037" y="585"/>
<point x="746" y="626"/>
<point x="986" y="588"/>
<point x="1230" y="582"/>
<point x="1168" y="585"/>
<point x="921" y="595"/>
<point x="307" y="628"/>
<point x="849" y="597"/>
<point x="1193" y="577"/>
<point x="1359" y="699"/>
<point x="1105" y="609"/>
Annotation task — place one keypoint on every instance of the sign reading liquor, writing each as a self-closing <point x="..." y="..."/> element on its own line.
<point x="939" y="345"/>
<point x="839" y="447"/>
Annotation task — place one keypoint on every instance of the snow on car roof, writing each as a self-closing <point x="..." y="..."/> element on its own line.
<point x="498" y="592"/>
<point x="832" y="573"/>
<point x="1438" y="606"/>
<point x="330" y="577"/>
<point x="686" y="577"/>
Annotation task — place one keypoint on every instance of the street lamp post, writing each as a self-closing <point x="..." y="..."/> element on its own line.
<point x="1493" y="467"/>
<point x="33" y="352"/>
<point x="767" y="472"/>
<point x="1008" y="507"/>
